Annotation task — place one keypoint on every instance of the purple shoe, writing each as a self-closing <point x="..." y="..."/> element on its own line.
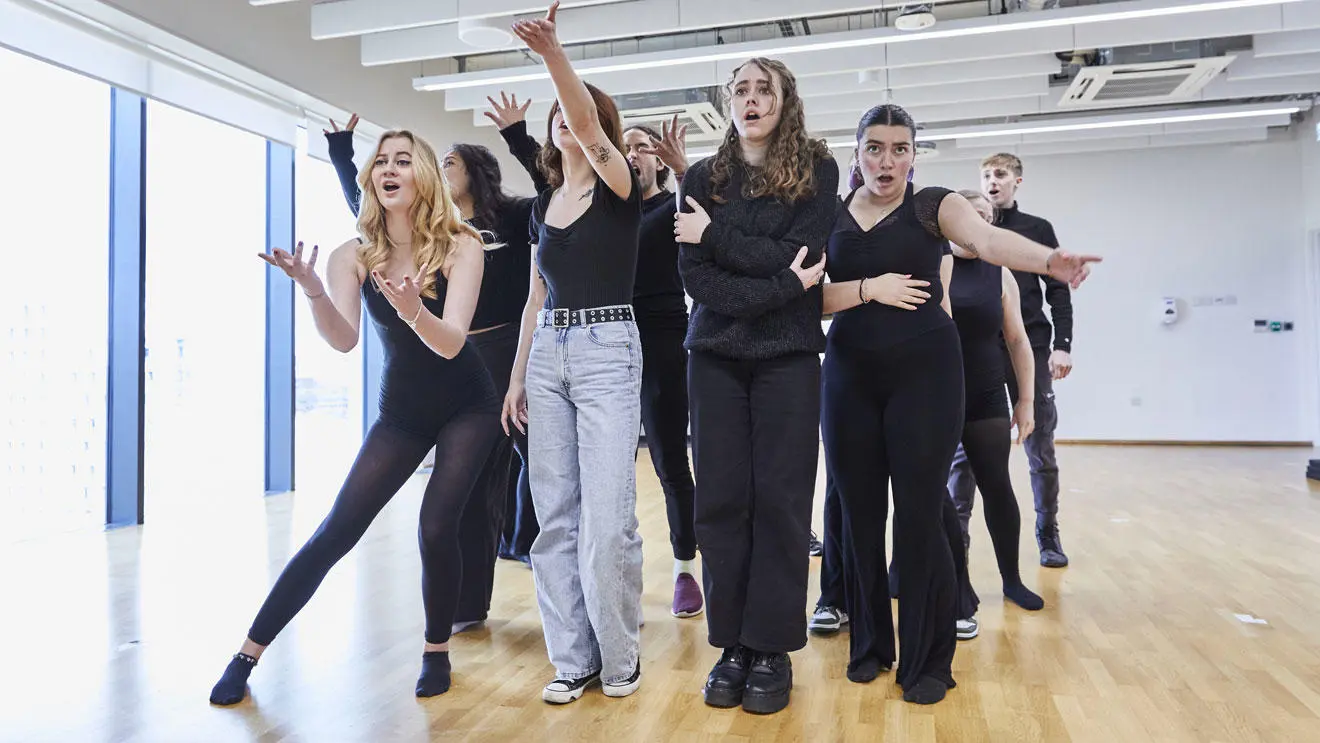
<point x="687" y="597"/>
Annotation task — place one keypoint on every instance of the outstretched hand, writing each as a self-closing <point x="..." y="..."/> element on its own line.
<point x="540" y="36"/>
<point x="671" y="148"/>
<point x="405" y="297"/>
<point x="303" y="274"/>
<point x="352" y="123"/>
<point x="509" y="113"/>
<point x="1070" y="268"/>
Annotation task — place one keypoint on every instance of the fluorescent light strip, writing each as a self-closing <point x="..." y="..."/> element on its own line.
<point x="451" y="82"/>
<point x="937" y="136"/>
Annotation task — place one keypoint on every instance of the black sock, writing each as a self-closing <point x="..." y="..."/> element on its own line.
<point x="435" y="674"/>
<point x="1023" y="597"/>
<point x="865" y="670"/>
<point x="928" y="690"/>
<point x="232" y="686"/>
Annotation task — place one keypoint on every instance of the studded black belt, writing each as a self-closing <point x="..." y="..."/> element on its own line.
<point x="569" y="318"/>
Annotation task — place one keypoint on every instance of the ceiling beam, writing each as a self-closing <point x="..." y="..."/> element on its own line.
<point x="619" y="20"/>
<point x="1288" y="42"/>
<point x="924" y="115"/>
<point x="1248" y="67"/>
<point x="357" y="17"/>
<point x="1013" y="34"/>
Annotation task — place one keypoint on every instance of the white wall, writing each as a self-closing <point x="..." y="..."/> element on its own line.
<point x="1182" y="222"/>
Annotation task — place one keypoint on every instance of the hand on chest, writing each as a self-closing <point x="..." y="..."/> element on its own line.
<point x="752" y="238"/>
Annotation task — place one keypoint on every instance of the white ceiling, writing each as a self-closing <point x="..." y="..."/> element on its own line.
<point x="1004" y="70"/>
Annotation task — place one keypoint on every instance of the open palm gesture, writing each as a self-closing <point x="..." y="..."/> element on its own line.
<point x="406" y="296"/>
<point x="293" y="266"/>
<point x="540" y="35"/>
<point x="508" y="113"/>
<point x="672" y="146"/>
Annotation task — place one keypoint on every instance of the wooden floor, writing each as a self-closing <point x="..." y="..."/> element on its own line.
<point x="1186" y="616"/>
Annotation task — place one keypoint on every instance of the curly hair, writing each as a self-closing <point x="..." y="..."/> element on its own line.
<point x="551" y="160"/>
<point x="436" y="219"/>
<point x="485" y="182"/>
<point x="661" y="173"/>
<point x="790" y="164"/>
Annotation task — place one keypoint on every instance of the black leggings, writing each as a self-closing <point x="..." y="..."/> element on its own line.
<point x="665" y="420"/>
<point x="987" y="444"/>
<point x="388" y="457"/>
<point x="485" y="514"/>
<point x="894" y="415"/>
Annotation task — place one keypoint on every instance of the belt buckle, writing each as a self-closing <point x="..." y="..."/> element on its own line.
<point x="559" y="318"/>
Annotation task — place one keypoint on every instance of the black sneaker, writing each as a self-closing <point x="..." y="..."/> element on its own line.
<point x="814" y="547"/>
<point x="728" y="679"/>
<point x="1051" y="547"/>
<point x="768" y="683"/>
<point x="626" y="686"/>
<point x="563" y="691"/>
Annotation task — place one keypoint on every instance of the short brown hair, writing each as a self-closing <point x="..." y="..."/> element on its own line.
<point x="1004" y="160"/>
<point x="661" y="176"/>
<point x="551" y="160"/>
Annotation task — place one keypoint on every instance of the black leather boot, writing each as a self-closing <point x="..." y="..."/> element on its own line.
<point x="725" y="684"/>
<point x="768" y="684"/>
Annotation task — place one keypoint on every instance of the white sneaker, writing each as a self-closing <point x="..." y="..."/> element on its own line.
<point x="625" y="687"/>
<point x="827" y="620"/>
<point x="563" y="691"/>
<point x="968" y="628"/>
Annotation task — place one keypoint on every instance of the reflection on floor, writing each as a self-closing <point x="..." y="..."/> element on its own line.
<point x="1152" y="634"/>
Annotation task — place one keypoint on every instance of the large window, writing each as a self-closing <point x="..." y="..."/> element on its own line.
<point x="329" y="384"/>
<point x="205" y="316"/>
<point x="53" y="328"/>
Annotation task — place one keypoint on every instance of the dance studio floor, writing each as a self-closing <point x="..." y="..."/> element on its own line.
<point x="1196" y="573"/>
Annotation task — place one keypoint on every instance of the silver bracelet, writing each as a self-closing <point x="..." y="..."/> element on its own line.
<point x="413" y="322"/>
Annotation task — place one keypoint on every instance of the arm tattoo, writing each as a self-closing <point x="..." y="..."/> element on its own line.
<point x="970" y="247"/>
<point x="601" y="152"/>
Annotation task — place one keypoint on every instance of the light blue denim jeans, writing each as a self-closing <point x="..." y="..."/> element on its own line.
<point x="584" y="417"/>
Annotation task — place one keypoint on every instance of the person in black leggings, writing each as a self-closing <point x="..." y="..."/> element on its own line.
<point x="474" y="178"/>
<point x="420" y="287"/>
<point x="892" y="398"/>
<point x="752" y="229"/>
<point x="985" y="303"/>
<point x="662" y="319"/>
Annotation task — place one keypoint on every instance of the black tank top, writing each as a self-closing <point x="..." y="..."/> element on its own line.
<point x="975" y="293"/>
<point x="419" y="388"/>
<point x="908" y="241"/>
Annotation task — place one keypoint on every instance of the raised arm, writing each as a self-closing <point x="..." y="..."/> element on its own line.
<point x="959" y="222"/>
<point x="512" y="121"/>
<point x="340" y="145"/>
<point x="575" y="101"/>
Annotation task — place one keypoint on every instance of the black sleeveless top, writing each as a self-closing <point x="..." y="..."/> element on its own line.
<point x="975" y="293"/>
<point x="420" y="389"/>
<point x="907" y="241"/>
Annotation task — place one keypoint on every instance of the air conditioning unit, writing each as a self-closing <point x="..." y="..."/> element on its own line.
<point x="1146" y="83"/>
<point x="703" y="121"/>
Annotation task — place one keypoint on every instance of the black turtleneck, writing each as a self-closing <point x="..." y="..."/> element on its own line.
<point x="1033" y="299"/>
<point x="658" y="299"/>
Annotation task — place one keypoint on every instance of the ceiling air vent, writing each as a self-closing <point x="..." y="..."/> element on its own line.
<point x="704" y="123"/>
<point x="1154" y="82"/>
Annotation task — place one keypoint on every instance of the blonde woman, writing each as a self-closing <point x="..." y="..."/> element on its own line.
<point x="417" y="268"/>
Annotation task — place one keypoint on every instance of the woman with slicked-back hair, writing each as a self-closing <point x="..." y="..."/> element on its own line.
<point x="892" y="407"/>
<point x="417" y="269"/>
<point x="752" y="227"/>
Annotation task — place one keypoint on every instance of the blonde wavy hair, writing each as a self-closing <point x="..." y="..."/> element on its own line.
<point x="437" y="221"/>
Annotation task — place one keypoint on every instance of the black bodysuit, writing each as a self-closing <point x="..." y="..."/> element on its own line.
<point x="976" y="296"/>
<point x="892" y="411"/>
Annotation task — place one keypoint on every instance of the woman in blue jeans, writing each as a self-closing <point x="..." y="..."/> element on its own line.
<point x="577" y="380"/>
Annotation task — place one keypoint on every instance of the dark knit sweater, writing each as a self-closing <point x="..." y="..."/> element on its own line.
<point x="747" y="302"/>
